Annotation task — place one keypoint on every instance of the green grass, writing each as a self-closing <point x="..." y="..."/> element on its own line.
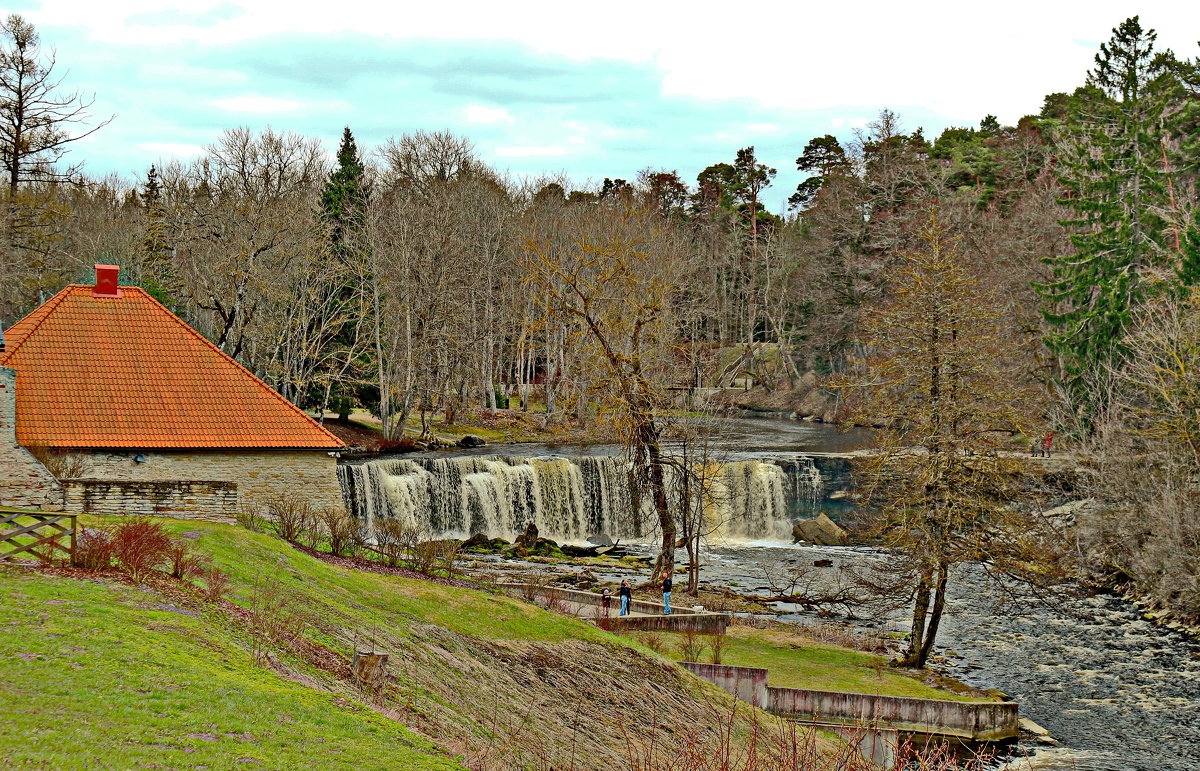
<point x="103" y="675"/>
<point x="797" y="662"/>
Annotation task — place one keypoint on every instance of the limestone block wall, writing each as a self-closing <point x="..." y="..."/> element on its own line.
<point x="183" y="500"/>
<point x="24" y="481"/>
<point x="258" y="474"/>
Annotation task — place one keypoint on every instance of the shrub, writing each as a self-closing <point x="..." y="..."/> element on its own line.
<point x="250" y="517"/>
<point x="93" y="549"/>
<point x="185" y="562"/>
<point x="216" y="583"/>
<point x="139" y="546"/>
<point x="391" y="540"/>
<point x="716" y="644"/>
<point x="63" y="464"/>
<point x="339" y="529"/>
<point x="690" y="646"/>
<point x="653" y="641"/>
<point x="291" y="516"/>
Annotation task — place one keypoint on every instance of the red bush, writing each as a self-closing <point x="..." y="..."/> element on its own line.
<point x="93" y="549"/>
<point x="139" y="546"/>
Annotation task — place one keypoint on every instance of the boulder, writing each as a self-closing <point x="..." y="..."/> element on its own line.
<point x="478" y="542"/>
<point x="822" y="530"/>
<point x="600" y="539"/>
<point x="471" y="440"/>
<point x="529" y="539"/>
<point x="822" y="563"/>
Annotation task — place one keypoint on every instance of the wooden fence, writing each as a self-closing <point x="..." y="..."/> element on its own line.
<point x="44" y="536"/>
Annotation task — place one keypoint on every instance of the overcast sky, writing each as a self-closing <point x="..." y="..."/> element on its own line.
<point x="591" y="89"/>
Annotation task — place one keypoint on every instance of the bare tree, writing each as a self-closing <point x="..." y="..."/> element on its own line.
<point x="36" y="117"/>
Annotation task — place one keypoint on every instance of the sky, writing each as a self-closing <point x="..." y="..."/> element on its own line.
<point x="587" y="90"/>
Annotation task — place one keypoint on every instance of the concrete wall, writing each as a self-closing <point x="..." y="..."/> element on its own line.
<point x="976" y="721"/>
<point x="682" y="619"/>
<point x="184" y="500"/>
<point x="747" y="683"/>
<point x="258" y="474"/>
<point x="24" y="481"/>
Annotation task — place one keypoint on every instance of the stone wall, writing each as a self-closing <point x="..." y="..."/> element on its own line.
<point x="183" y="500"/>
<point x="258" y="474"/>
<point x="24" y="481"/>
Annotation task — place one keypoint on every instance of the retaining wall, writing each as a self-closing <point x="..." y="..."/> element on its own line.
<point x="682" y="619"/>
<point x="975" y="721"/>
<point x="207" y="500"/>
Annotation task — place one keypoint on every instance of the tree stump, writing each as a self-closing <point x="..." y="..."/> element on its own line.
<point x="370" y="668"/>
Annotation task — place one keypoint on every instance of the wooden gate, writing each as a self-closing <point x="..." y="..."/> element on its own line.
<point x="45" y="536"/>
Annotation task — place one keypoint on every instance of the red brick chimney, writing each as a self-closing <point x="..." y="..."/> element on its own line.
<point x="106" y="281"/>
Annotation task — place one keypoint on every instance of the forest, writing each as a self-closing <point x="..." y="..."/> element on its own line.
<point x="413" y="279"/>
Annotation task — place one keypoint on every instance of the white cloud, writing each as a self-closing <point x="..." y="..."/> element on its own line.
<point x="960" y="60"/>
<point x="256" y="104"/>
<point x="531" y="151"/>
<point x="478" y="113"/>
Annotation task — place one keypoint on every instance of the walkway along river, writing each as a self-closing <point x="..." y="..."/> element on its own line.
<point x="1120" y="693"/>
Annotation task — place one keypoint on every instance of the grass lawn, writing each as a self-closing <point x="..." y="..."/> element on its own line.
<point x="797" y="662"/>
<point x="99" y="675"/>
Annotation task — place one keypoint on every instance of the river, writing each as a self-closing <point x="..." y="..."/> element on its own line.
<point x="1118" y="692"/>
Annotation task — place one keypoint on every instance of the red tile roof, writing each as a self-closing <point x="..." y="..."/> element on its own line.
<point x="100" y="372"/>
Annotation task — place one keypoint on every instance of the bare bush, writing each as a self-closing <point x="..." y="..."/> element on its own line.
<point x="63" y="464"/>
<point x="716" y="644"/>
<point x="216" y="583"/>
<point x="429" y="557"/>
<point x="185" y="562"/>
<point x="338" y="528"/>
<point x="394" y="538"/>
<point x="93" y="549"/>
<point x="653" y="641"/>
<point x="690" y="646"/>
<point x="291" y="517"/>
<point x="279" y="621"/>
<point x="139" y="546"/>
<point x="249" y="515"/>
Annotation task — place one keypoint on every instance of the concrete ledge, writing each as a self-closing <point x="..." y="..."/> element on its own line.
<point x="986" y="721"/>
<point x="649" y="615"/>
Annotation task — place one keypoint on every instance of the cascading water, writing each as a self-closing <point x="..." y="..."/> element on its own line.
<point x="568" y="498"/>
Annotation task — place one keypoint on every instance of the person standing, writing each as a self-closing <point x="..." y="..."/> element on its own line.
<point x="1046" y="444"/>
<point x="626" y="595"/>
<point x="606" y="600"/>
<point x="666" y="586"/>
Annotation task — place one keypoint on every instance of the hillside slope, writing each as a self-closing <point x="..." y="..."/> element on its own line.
<point x="101" y="673"/>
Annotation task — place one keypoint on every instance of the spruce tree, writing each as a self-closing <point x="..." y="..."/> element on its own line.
<point x="159" y="277"/>
<point x="344" y="199"/>
<point x="1115" y="180"/>
<point x="343" y="207"/>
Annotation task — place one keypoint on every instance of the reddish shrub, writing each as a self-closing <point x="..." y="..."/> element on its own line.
<point x="139" y="546"/>
<point x="216" y="583"/>
<point x="93" y="549"/>
<point x="185" y="562"/>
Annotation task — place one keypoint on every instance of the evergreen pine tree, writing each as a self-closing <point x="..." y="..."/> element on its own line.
<point x="343" y="207"/>
<point x="159" y="277"/>
<point x="344" y="199"/>
<point x="1115" y="180"/>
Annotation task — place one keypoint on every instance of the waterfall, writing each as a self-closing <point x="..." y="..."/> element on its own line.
<point x="568" y="498"/>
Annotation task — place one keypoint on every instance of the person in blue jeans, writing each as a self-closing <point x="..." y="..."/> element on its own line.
<point x="626" y="595"/>
<point x="667" y="594"/>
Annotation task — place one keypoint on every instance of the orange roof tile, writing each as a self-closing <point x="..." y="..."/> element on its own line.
<point x="126" y="372"/>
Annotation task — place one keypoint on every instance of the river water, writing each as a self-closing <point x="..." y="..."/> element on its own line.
<point x="1118" y="692"/>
